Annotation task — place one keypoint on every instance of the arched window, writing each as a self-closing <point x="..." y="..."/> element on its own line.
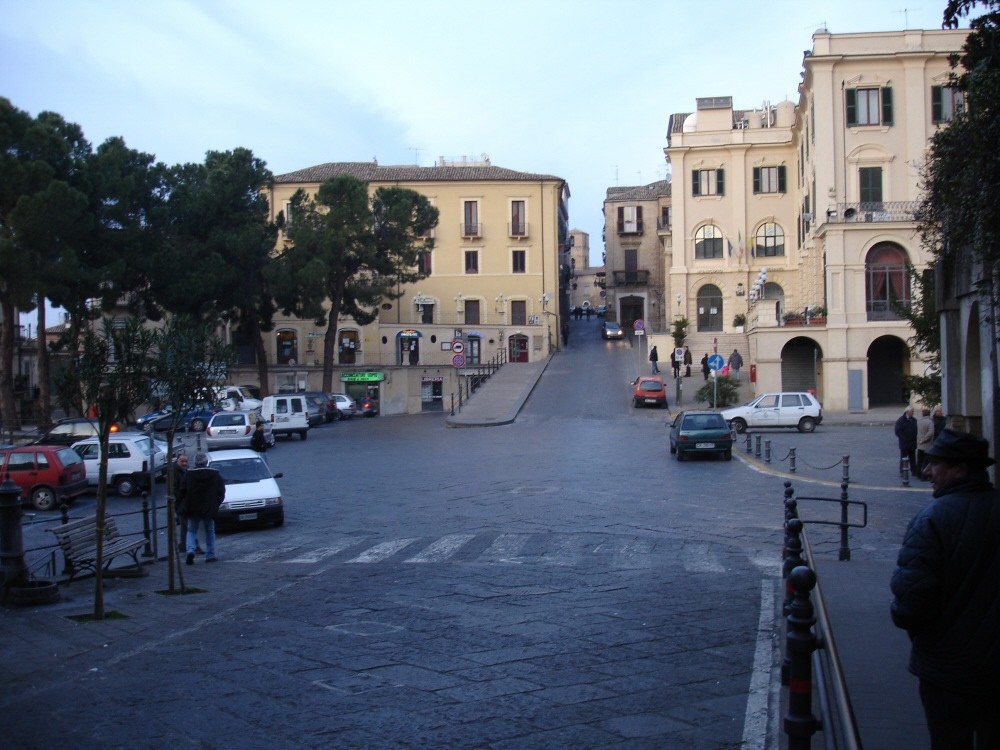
<point x="709" y="308"/>
<point x="708" y="242"/>
<point x="887" y="281"/>
<point x="287" y="350"/>
<point x="770" y="240"/>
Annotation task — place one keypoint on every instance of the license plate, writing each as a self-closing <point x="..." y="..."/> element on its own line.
<point x="248" y="516"/>
<point x="651" y="400"/>
<point x="227" y="432"/>
<point x="704" y="445"/>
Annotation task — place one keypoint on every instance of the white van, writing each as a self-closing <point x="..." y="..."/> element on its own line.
<point x="287" y="414"/>
<point x="240" y="396"/>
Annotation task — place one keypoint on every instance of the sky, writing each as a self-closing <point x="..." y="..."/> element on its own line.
<point x="580" y="89"/>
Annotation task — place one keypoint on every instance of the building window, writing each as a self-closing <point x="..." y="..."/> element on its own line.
<point x="887" y="282"/>
<point x="426" y="312"/>
<point x="871" y="106"/>
<point x="946" y="102"/>
<point x="472" y="261"/>
<point x="769" y="179"/>
<point x="770" y="240"/>
<point x="518" y="223"/>
<point x="664" y="217"/>
<point x="470" y="220"/>
<point x="472" y="311"/>
<point x="424" y="264"/>
<point x="518" y="261"/>
<point x="708" y="242"/>
<point x="287" y="347"/>
<point x="286" y="228"/>
<point x="518" y="312"/>
<point x="630" y="220"/>
<point x="708" y="182"/>
<point x="870" y="184"/>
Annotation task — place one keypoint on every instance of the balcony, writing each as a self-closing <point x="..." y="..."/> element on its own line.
<point x="631" y="278"/>
<point x="865" y="213"/>
<point x="517" y="229"/>
<point x="470" y="230"/>
<point x="630" y="227"/>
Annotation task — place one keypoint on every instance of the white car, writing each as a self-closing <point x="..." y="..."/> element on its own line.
<point x="252" y="494"/>
<point x="130" y="456"/>
<point x="234" y="429"/>
<point x="346" y="405"/>
<point x="238" y="396"/>
<point x="790" y="409"/>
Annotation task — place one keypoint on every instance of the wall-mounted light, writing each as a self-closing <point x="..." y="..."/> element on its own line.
<point x="740" y="291"/>
<point x="678" y="298"/>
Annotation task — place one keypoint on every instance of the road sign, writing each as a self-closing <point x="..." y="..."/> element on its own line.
<point x="639" y="325"/>
<point x="716" y="362"/>
<point x="457" y="347"/>
<point x="458" y="360"/>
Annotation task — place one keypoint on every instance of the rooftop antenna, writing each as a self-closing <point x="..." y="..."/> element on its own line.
<point x="416" y="155"/>
<point x="906" y="16"/>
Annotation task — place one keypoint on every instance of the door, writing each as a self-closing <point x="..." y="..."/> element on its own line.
<point x="518" y="346"/>
<point x="709" y="308"/>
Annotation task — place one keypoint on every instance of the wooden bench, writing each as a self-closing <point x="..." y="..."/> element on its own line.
<point x="78" y="540"/>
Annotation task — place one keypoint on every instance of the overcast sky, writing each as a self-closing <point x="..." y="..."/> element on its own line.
<point x="581" y="89"/>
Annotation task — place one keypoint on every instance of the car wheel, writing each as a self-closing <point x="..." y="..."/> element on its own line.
<point x="673" y="448"/>
<point x="680" y="456"/>
<point x="125" y="486"/>
<point x="807" y="424"/>
<point x="44" y="498"/>
<point x="635" y="403"/>
<point x="304" y="434"/>
<point x="197" y="425"/>
<point x="739" y="425"/>
<point x="279" y="522"/>
<point x="728" y="455"/>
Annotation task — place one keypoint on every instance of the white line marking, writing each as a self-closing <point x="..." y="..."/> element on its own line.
<point x="323" y="552"/>
<point x="755" y="721"/>
<point x="698" y="558"/>
<point x="505" y="548"/>
<point x="442" y="549"/>
<point x="382" y="551"/>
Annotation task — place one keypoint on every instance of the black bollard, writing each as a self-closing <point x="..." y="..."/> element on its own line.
<point x="147" y="551"/>
<point x="757" y="447"/>
<point x="904" y="470"/>
<point x="793" y="559"/>
<point x="791" y="459"/>
<point x="767" y="451"/>
<point x="845" y="548"/>
<point x="800" y="642"/>
<point x="847" y="471"/>
<point x="749" y="444"/>
<point x="13" y="571"/>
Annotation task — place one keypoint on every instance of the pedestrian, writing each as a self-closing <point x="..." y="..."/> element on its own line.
<point x="258" y="440"/>
<point x="906" y="434"/>
<point x="654" y="359"/>
<point x="204" y="492"/>
<point x="735" y="363"/>
<point x="179" y="470"/>
<point x="946" y="595"/>
<point x="688" y="361"/>
<point x="705" y="369"/>
<point x="565" y="332"/>
<point x="925" y="436"/>
<point x="939" y="420"/>
<point x="675" y="363"/>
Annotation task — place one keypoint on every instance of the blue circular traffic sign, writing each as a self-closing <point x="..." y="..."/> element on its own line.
<point x="716" y="362"/>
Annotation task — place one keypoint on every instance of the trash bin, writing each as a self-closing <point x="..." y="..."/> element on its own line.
<point x="753" y="373"/>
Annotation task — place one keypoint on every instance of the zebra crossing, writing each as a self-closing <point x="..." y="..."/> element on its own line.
<point x="611" y="552"/>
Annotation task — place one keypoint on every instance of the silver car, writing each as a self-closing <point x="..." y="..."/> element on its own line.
<point x="346" y="405"/>
<point x="234" y="429"/>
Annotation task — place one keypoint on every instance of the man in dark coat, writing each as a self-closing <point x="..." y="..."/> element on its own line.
<point x="906" y="434"/>
<point x="203" y="493"/>
<point x="946" y="590"/>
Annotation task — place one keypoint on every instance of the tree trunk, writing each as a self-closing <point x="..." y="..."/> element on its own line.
<point x="8" y="323"/>
<point x="43" y="405"/>
<point x="260" y="354"/>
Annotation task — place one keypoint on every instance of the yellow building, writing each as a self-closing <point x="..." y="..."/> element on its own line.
<point x="801" y="217"/>
<point x="586" y="286"/>
<point x="494" y="290"/>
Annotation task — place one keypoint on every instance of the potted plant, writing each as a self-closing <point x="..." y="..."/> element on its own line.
<point x="816" y="315"/>
<point x="792" y="318"/>
<point x="739" y="321"/>
<point x="679" y="332"/>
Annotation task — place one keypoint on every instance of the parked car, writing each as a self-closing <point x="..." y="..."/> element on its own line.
<point x="192" y="419"/>
<point x="790" y="409"/>
<point x="315" y="407"/>
<point x="368" y="407"/>
<point x="68" y="431"/>
<point x="130" y="456"/>
<point x="601" y="310"/>
<point x="47" y="474"/>
<point x="611" y="330"/>
<point x="347" y="407"/>
<point x="649" y="390"/>
<point x="234" y="429"/>
<point x="252" y="494"/>
<point x="287" y="414"/>
<point x="240" y="397"/>
<point x="694" y="432"/>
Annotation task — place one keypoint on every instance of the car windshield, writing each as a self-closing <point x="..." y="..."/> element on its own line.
<point x="242" y="470"/>
<point x="704" y="422"/>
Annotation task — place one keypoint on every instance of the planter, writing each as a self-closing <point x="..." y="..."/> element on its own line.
<point x="29" y="593"/>
<point x="795" y="323"/>
<point x="817" y="321"/>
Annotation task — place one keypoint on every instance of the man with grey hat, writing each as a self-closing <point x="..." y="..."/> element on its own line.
<point x="946" y="590"/>
<point x="203" y="493"/>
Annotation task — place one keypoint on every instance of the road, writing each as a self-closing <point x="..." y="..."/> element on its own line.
<point x="558" y="582"/>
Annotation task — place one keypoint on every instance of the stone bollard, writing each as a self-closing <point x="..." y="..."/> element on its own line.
<point x="904" y="470"/>
<point x="800" y="642"/>
<point x="749" y="443"/>
<point x="846" y="461"/>
<point x="767" y="451"/>
<point x="757" y="447"/>
<point x="791" y="460"/>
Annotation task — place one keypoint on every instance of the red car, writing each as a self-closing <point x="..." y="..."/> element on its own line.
<point x="649" y="390"/>
<point x="46" y="474"/>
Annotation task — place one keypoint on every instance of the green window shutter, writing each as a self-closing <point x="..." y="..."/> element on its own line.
<point x="720" y="175"/>
<point x="937" y="114"/>
<point x="851" y="106"/>
<point x="781" y="179"/>
<point x="695" y="183"/>
<point x="887" y="105"/>
<point x="756" y="179"/>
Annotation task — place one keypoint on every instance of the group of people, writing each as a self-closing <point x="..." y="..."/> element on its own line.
<point x="915" y="438"/>
<point x="675" y="362"/>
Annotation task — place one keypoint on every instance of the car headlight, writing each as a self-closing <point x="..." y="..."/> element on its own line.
<point x="272" y="500"/>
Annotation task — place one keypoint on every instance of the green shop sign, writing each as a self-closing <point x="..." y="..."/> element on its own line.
<point x="362" y="377"/>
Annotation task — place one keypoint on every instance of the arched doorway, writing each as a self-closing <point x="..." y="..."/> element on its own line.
<point x="801" y="365"/>
<point x="887" y="281"/>
<point x="888" y="361"/>
<point x="709" y="308"/>
<point x="772" y="302"/>
<point x="517" y="347"/>
<point x="632" y="308"/>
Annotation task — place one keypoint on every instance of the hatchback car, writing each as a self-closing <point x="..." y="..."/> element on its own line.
<point x="46" y="474"/>
<point x="611" y="330"/>
<point x="193" y="419"/>
<point x="791" y="409"/>
<point x="234" y="429"/>
<point x="68" y="431"/>
<point x="649" y="390"/>
<point x="694" y="432"/>
<point x="252" y="494"/>
<point x="130" y="456"/>
<point x="346" y="406"/>
<point x="315" y="407"/>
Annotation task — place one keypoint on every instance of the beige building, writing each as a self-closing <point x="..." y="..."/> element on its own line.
<point x="586" y="285"/>
<point x="495" y="287"/>
<point x="801" y="217"/>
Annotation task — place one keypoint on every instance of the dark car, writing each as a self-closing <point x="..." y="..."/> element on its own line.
<point x="47" y="474"/>
<point x="649" y="390"/>
<point x="194" y="419"/>
<point x="694" y="432"/>
<point x="611" y="330"/>
<point x="69" y="431"/>
<point x="316" y="407"/>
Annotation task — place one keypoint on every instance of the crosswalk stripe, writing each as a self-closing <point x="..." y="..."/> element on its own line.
<point x="323" y="552"/>
<point x="263" y="554"/>
<point x="505" y="548"/>
<point x="442" y="549"/>
<point x="382" y="551"/>
<point x="699" y="558"/>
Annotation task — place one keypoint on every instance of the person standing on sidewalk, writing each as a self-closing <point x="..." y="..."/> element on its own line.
<point x="204" y="492"/>
<point x="654" y="359"/>
<point x="705" y="369"/>
<point x="946" y="590"/>
<point x="688" y="361"/>
<point x="906" y="434"/>
<point x="735" y="364"/>
<point x="925" y="437"/>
